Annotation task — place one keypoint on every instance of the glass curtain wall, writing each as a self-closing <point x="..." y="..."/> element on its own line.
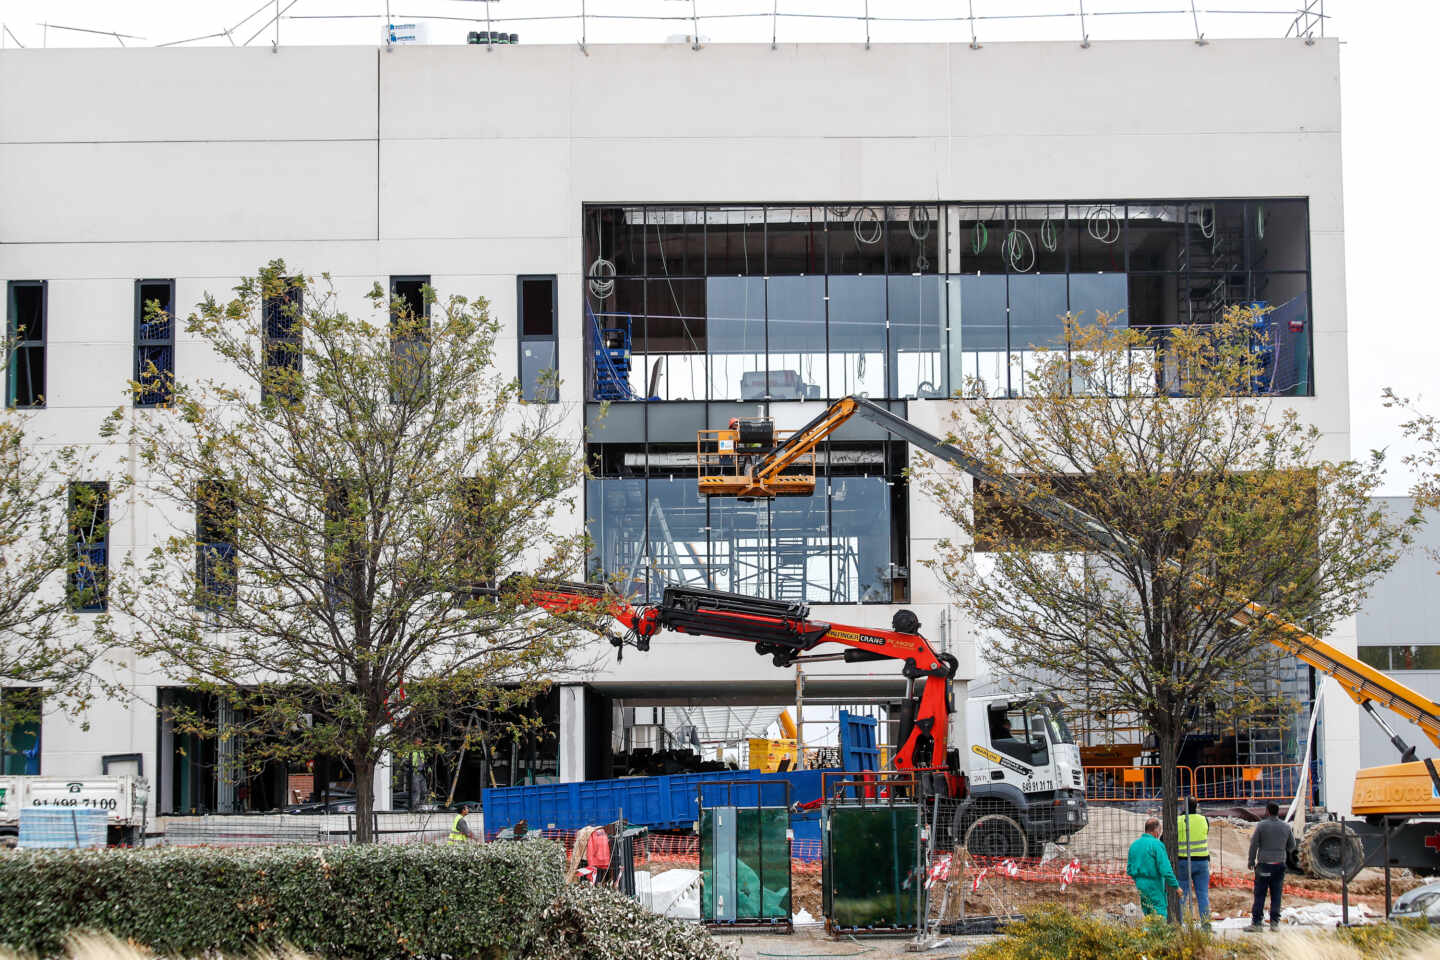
<point x="830" y="547"/>
<point x="808" y="302"/>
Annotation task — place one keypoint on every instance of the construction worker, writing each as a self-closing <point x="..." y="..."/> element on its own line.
<point x="1192" y="836"/>
<point x="459" y="829"/>
<point x="1149" y="866"/>
<point x="1270" y="846"/>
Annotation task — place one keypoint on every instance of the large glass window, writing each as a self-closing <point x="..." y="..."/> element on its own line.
<point x="833" y="546"/>
<point x="792" y="302"/>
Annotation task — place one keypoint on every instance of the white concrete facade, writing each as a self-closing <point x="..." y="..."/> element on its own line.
<point x="473" y="166"/>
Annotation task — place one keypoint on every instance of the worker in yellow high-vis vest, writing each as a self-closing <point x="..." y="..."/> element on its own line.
<point x="1192" y="840"/>
<point x="460" y="831"/>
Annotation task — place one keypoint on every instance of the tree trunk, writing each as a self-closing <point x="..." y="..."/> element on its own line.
<point x="1170" y="808"/>
<point x="364" y="799"/>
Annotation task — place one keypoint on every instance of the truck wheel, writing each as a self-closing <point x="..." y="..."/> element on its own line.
<point x="995" y="835"/>
<point x="1327" y="850"/>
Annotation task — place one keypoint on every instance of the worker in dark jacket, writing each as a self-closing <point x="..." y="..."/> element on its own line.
<point x="1270" y="846"/>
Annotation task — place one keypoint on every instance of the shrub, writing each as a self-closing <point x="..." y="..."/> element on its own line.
<point x="1053" y="933"/>
<point x="600" y="923"/>
<point x="359" y="903"/>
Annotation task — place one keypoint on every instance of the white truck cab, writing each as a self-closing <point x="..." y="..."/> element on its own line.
<point x="1027" y="786"/>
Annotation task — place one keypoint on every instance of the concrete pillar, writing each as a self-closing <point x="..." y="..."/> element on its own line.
<point x="1340" y="733"/>
<point x="572" y="733"/>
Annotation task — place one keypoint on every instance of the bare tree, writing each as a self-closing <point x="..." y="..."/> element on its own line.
<point x="1203" y="495"/>
<point x="349" y="480"/>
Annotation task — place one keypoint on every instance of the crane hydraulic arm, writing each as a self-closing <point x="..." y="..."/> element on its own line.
<point x="785" y="632"/>
<point x="1364" y="684"/>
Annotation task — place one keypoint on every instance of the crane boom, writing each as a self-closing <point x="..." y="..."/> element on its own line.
<point x="1363" y="683"/>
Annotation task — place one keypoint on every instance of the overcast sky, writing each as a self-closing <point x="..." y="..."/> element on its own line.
<point x="1387" y="78"/>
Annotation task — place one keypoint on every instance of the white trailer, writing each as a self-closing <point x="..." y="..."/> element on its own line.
<point x="124" y="799"/>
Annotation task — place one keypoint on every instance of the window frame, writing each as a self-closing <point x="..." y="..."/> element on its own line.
<point x="424" y="280"/>
<point x="294" y="293"/>
<point x="7" y="734"/>
<point x="210" y="552"/>
<point x="13" y="361"/>
<point x="164" y="388"/>
<point x="528" y="392"/>
<point x="74" y="587"/>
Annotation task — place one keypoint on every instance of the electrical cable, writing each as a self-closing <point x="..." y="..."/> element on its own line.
<point x="1049" y="236"/>
<point x="923" y="218"/>
<point x="979" y="237"/>
<point x="1260" y="221"/>
<point x="1016" y="243"/>
<point x="602" y="278"/>
<point x="868" y="216"/>
<point x="1207" y="234"/>
<point x="1103" y="225"/>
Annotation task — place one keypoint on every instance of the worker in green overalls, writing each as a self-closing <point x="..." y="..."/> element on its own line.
<point x="1149" y="866"/>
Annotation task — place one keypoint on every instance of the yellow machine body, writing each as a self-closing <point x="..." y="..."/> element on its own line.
<point x="1399" y="788"/>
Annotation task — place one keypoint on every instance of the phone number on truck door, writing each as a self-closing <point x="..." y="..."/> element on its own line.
<point x="103" y="803"/>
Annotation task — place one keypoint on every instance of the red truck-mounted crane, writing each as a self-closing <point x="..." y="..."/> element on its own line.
<point x="784" y="631"/>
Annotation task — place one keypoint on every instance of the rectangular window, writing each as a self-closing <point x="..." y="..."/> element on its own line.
<point x="346" y="542"/>
<point x="409" y="329"/>
<point x="25" y="373"/>
<point x="89" y="573"/>
<point x="282" y="315"/>
<point x="154" y="342"/>
<point x="20" y="737"/>
<point x="1377" y="657"/>
<point x="215" y="567"/>
<point x="539" y="342"/>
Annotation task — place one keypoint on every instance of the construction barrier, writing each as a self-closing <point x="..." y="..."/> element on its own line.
<point x="1249" y="784"/>
<point x="1244" y="784"/>
<point x="1130" y="783"/>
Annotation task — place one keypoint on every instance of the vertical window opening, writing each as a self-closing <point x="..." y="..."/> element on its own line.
<point x="25" y="373"/>
<point x="20" y="737"/>
<point x="89" y="572"/>
<point x="215" y="536"/>
<point x="539" y="342"/>
<point x="409" y="337"/>
<point x="284" y="362"/>
<point x="154" y="342"/>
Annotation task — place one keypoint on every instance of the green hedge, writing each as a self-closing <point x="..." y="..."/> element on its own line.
<point x="357" y="903"/>
<point x="601" y="923"/>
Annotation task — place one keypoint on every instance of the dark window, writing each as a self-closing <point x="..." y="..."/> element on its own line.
<point x="25" y="374"/>
<point x="346" y="543"/>
<point x="409" y="333"/>
<point x="154" y="342"/>
<point x="539" y="346"/>
<point x="479" y="539"/>
<point x="284" y="368"/>
<point x="215" y="567"/>
<point x="89" y="573"/>
<point x="20" y="735"/>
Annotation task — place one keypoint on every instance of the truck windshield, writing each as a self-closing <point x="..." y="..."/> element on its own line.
<point x="1059" y="730"/>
